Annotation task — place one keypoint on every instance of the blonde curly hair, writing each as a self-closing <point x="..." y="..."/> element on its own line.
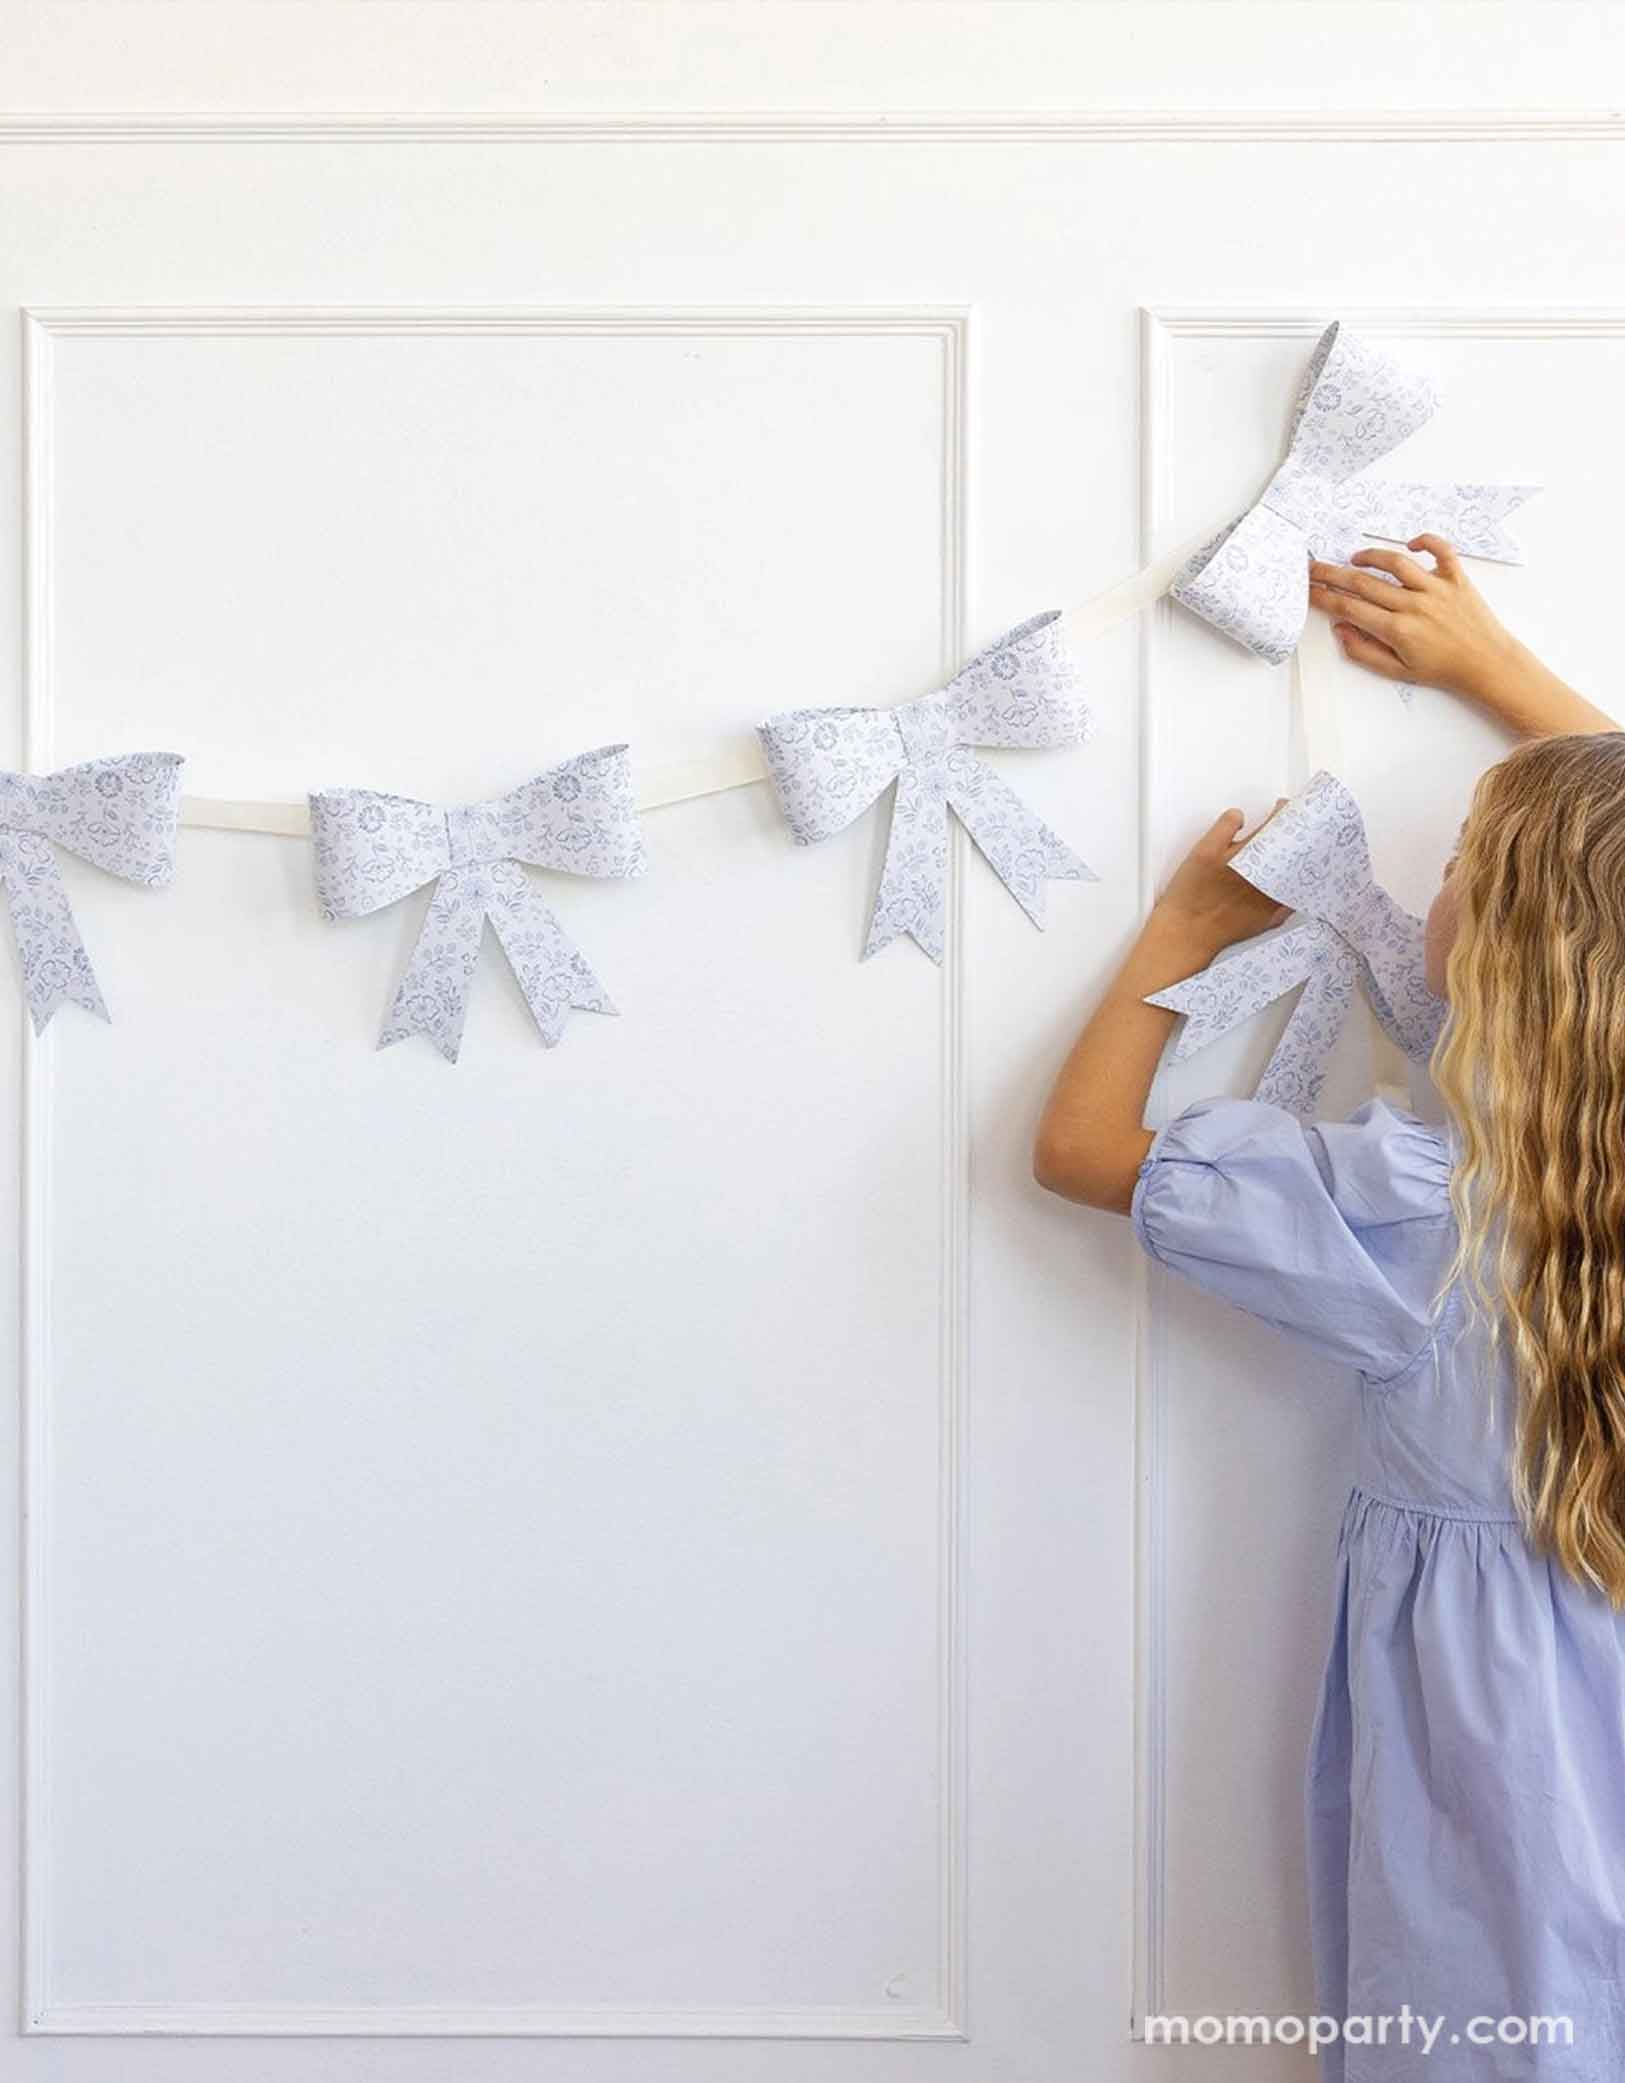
<point x="1531" y="1064"/>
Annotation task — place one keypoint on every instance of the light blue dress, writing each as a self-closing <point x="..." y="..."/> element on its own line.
<point x="1465" y="1789"/>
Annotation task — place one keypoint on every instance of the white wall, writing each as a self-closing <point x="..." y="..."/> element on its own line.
<point x="660" y="1556"/>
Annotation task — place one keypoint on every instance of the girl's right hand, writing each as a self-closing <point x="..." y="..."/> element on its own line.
<point x="1433" y="627"/>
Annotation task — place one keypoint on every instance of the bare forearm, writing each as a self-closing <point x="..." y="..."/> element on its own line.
<point x="1091" y="1139"/>
<point x="1528" y="698"/>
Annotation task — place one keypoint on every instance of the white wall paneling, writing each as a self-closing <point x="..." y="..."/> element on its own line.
<point x="903" y="126"/>
<point x="939" y="339"/>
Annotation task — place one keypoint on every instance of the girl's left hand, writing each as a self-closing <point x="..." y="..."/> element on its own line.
<point x="1206" y="902"/>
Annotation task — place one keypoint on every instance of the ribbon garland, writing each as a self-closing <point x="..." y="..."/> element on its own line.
<point x="1314" y="856"/>
<point x="1248" y="579"/>
<point x="120" y="815"/>
<point x="829" y="765"/>
<point x="371" y="850"/>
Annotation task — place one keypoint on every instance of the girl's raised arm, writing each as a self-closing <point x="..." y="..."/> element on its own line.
<point x="1091" y="1139"/>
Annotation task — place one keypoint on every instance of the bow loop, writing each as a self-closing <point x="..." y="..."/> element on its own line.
<point x="1024" y="690"/>
<point x="370" y="850"/>
<point x="1313" y="855"/>
<point x="123" y="816"/>
<point x="1354" y="405"/>
<point x="580" y="816"/>
<point x="1252" y="583"/>
<point x="829" y="765"/>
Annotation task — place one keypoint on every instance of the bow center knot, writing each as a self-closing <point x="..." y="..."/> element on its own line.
<point x="1299" y="495"/>
<point x="1362" y="915"/>
<point x="927" y="730"/>
<point x="473" y="836"/>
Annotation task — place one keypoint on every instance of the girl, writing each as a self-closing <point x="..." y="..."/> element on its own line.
<point x="1466" y="1779"/>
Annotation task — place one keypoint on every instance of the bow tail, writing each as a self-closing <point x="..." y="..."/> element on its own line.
<point x="1016" y="843"/>
<point x="55" y="968"/>
<point x="914" y="875"/>
<point x="550" y="969"/>
<point x="1472" y="517"/>
<point x="432" y="997"/>
<point x="1395" y="978"/>
<point x="1239" y="984"/>
<point x="1301" y="1058"/>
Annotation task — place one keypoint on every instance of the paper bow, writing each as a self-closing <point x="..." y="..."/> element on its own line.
<point x="1313" y="855"/>
<point x="829" y="765"/>
<point x="372" y="850"/>
<point x="119" y="814"/>
<point x="1354" y="405"/>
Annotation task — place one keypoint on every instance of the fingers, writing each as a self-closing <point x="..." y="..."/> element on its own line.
<point x="1278" y="804"/>
<point x="1369" y="651"/>
<point x="1343" y="578"/>
<point x="1220" y="836"/>
<point x="1355" y="608"/>
<point x="1446" y="563"/>
<point x="1403" y="568"/>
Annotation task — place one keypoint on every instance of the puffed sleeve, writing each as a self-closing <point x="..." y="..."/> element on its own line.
<point x="1329" y="1231"/>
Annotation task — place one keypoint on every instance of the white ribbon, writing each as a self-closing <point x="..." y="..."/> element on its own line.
<point x="1249" y="578"/>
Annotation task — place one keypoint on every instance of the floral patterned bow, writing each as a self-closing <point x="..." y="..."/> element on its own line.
<point x="829" y="765"/>
<point x="1313" y="855"/>
<point x="372" y="850"/>
<point x="118" y="814"/>
<point x="1354" y="405"/>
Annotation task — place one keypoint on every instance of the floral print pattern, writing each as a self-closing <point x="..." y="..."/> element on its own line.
<point x="829" y="765"/>
<point x="371" y="850"/>
<point x="1314" y="856"/>
<point x="1355" y="404"/>
<point x="122" y="815"/>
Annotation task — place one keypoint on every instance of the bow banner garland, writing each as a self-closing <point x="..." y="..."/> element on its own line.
<point x="829" y="765"/>
<point x="1354" y="405"/>
<point x="371" y="850"/>
<point x="1313" y="855"/>
<point x="121" y="815"/>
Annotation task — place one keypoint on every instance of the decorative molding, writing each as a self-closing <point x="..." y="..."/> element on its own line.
<point x="818" y="126"/>
<point x="491" y="2021"/>
<point x="34" y="1228"/>
<point x="1150" y="1402"/>
<point x="949" y="324"/>
<point x="42" y="328"/>
<point x="1415" y="322"/>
